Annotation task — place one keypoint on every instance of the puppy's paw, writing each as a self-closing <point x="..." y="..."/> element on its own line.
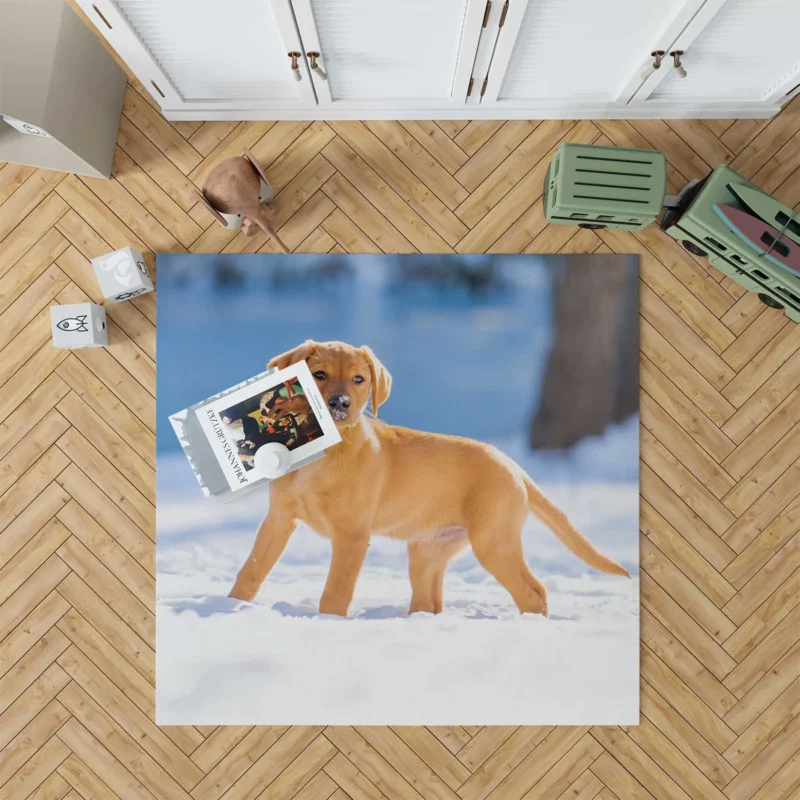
<point x="243" y="590"/>
<point x="333" y="608"/>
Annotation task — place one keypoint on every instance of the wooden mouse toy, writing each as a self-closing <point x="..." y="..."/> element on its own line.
<point x="234" y="192"/>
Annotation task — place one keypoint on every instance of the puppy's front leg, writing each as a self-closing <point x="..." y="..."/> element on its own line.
<point x="271" y="539"/>
<point x="349" y="551"/>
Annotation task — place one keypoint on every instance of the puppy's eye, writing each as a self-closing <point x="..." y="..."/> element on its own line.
<point x="358" y="379"/>
<point x="320" y="375"/>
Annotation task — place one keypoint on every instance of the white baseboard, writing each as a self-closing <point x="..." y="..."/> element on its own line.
<point x="646" y="111"/>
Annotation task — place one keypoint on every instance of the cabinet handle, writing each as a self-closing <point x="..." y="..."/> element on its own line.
<point x="100" y="14"/>
<point x="503" y="14"/>
<point x="657" y="56"/>
<point x="676" y="58"/>
<point x="313" y="56"/>
<point x="294" y="55"/>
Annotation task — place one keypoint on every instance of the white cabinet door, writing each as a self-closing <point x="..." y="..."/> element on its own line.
<point x="390" y="54"/>
<point x="735" y="51"/>
<point x="578" y="54"/>
<point x="208" y="54"/>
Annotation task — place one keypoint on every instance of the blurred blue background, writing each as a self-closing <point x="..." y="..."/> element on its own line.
<point x="465" y="338"/>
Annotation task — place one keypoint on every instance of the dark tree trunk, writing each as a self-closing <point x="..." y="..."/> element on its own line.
<point x="626" y="398"/>
<point x="592" y="370"/>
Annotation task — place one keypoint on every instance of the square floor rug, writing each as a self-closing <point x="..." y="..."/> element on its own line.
<point x="467" y="554"/>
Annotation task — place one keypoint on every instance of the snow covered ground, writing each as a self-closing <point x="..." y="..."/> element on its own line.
<point x="278" y="661"/>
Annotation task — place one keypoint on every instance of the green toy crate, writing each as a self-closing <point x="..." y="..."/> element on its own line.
<point x="605" y="187"/>
<point x="702" y="232"/>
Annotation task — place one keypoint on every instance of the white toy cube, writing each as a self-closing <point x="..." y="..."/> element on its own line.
<point x="122" y="274"/>
<point x="78" y="325"/>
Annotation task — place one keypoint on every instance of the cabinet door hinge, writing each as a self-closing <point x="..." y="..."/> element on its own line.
<point x="486" y="13"/>
<point x="503" y="15"/>
<point x="469" y="88"/>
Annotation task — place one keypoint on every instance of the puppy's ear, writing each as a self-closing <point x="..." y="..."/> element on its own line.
<point x="381" y="379"/>
<point x="299" y="353"/>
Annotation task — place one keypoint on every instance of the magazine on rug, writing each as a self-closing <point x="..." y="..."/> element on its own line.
<point x="284" y="407"/>
<point x="466" y="553"/>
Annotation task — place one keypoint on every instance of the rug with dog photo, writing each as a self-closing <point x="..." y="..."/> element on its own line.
<point x="464" y="553"/>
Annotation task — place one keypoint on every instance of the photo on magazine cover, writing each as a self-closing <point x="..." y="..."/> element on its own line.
<point x="466" y="553"/>
<point x="284" y="407"/>
<point x="281" y="414"/>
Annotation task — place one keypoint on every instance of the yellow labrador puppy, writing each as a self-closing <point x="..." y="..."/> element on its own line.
<point x="438" y="493"/>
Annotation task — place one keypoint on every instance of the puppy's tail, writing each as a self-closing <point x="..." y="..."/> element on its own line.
<point x="551" y="515"/>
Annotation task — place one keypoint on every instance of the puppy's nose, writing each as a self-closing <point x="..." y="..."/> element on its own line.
<point x="339" y="401"/>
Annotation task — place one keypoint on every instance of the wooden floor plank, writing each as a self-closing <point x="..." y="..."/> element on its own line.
<point x="502" y="763"/>
<point x="426" y="168"/>
<point x="684" y="412"/>
<point x="679" y="675"/>
<point x="158" y="203"/>
<point x="112" y="627"/>
<point x="31" y="629"/>
<point x="348" y="199"/>
<point x="12" y="176"/>
<point x="30" y="267"/>
<point x="109" y="516"/>
<point x="132" y="726"/>
<point x="159" y="131"/>
<point x="84" y="782"/>
<point x="488" y="158"/>
<point x="209" y="135"/>
<point x="31" y="593"/>
<point x="32" y="555"/>
<point x="437" y="143"/>
<point x="393" y="190"/>
<point x="82" y="453"/>
<point x="657" y="712"/>
<point x="29" y="231"/>
<point x="101" y="763"/>
<point x="34" y="736"/>
<point x="137" y="616"/>
<point x="675" y="583"/>
<point x="25" y="199"/>
<point x="39" y="294"/>
<point x="151" y="160"/>
<point x="238" y="758"/>
<point x="644" y="769"/>
<point x="504" y="189"/>
<point x="298" y="154"/>
<point x="682" y="446"/>
<point x="112" y="555"/>
<point x="681" y="553"/>
<point x="772" y="684"/>
<point x="350" y="780"/>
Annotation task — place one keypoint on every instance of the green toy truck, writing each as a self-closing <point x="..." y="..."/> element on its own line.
<point x="696" y="225"/>
<point x="598" y="187"/>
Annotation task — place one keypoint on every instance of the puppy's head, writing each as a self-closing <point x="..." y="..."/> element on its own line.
<point x="348" y="377"/>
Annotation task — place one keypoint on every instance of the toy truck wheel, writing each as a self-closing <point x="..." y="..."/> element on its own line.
<point x="694" y="249"/>
<point x="592" y="226"/>
<point x="769" y="301"/>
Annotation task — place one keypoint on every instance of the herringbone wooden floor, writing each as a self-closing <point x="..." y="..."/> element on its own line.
<point x="720" y="402"/>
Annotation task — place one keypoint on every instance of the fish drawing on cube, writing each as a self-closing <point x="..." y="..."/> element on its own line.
<point x="122" y="274"/>
<point x="78" y="325"/>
